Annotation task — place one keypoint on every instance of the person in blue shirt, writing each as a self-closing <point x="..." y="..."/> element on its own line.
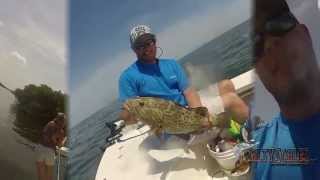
<point x="149" y="76"/>
<point x="286" y="63"/>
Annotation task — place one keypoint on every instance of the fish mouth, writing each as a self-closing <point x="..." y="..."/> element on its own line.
<point x="207" y="124"/>
<point x="209" y="121"/>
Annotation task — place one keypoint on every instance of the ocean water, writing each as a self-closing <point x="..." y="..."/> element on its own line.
<point x="224" y="57"/>
<point x="87" y="140"/>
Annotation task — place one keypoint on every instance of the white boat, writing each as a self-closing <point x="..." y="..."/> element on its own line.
<point x="137" y="154"/>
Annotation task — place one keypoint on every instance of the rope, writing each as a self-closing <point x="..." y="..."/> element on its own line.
<point x="133" y="136"/>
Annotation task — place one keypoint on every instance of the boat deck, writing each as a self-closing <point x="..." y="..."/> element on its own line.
<point x="146" y="157"/>
<point x="141" y="155"/>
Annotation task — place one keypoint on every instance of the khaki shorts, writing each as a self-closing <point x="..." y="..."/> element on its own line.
<point x="45" y="154"/>
<point x="211" y="99"/>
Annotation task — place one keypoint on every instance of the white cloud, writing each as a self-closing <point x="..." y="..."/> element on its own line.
<point x="19" y="57"/>
<point x="34" y="36"/>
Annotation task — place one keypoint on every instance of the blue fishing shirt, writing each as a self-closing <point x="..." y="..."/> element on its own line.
<point x="165" y="79"/>
<point x="285" y="134"/>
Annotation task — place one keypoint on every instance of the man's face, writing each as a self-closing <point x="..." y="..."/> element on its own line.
<point x="147" y="50"/>
<point x="60" y="122"/>
<point x="282" y="66"/>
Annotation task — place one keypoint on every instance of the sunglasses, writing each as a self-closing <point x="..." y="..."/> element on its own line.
<point x="144" y="45"/>
<point x="277" y="26"/>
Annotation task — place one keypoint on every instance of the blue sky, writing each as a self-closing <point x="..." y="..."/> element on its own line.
<point x="32" y="43"/>
<point x="100" y="28"/>
<point x="99" y="40"/>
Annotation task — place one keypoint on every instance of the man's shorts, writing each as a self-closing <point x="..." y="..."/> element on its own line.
<point x="211" y="99"/>
<point x="45" y="154"/>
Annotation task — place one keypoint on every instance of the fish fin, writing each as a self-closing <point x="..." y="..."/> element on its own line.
<point x="203" y="111"/>
<point x="158" y="132"/>
<point x="153" y="129"/>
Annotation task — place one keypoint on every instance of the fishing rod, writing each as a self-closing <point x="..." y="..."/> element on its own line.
<point x="31" y="146"/>
<point x="8" y="89"/>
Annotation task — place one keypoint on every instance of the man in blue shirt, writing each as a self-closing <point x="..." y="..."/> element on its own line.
<point x="150" y="76"/>
<point x="286" y="64"/>
<point x="165" y="78"/>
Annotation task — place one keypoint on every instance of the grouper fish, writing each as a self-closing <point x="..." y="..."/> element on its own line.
<point x="167" y="116"/>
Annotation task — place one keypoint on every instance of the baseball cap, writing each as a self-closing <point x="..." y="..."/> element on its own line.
<point x="60" y="116"/>
<point x="139" y="34"/>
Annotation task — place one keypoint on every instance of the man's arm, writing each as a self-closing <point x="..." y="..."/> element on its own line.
<point x="192" y="97"/>
<point x="127" y="89"/>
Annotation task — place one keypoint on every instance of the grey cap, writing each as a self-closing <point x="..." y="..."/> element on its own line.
<point x="140" y="34"/>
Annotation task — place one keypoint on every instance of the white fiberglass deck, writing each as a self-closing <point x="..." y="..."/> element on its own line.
<point x="144" y="157"/>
